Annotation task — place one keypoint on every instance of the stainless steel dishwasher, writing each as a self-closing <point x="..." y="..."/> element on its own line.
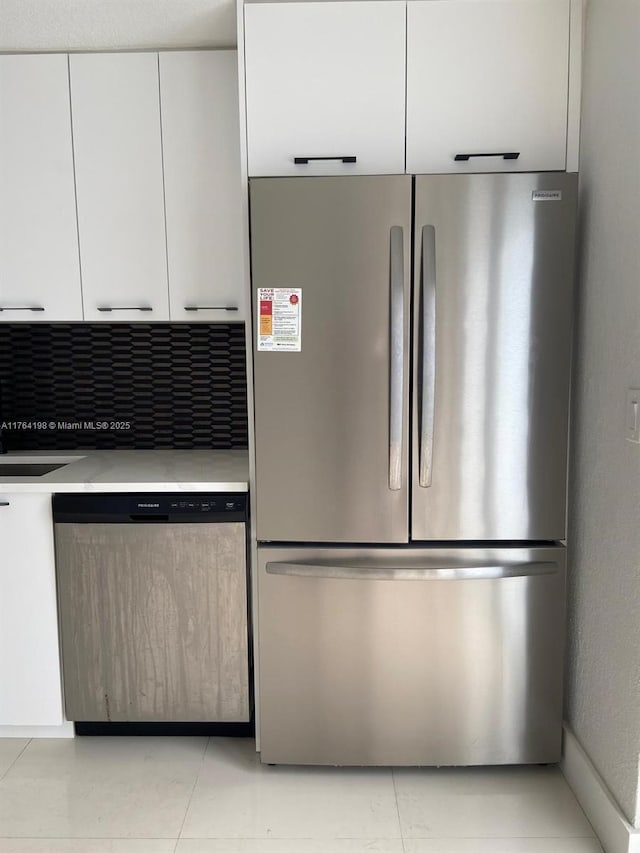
<point x="152" y="592"/>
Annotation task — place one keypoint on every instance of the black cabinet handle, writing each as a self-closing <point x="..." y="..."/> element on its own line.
<point x="302" y="161"/>
<point x="210" y="307"/>
<point x="24" y="308"/>
<point x="506" y="155"/>
<point x="105" y="308"/>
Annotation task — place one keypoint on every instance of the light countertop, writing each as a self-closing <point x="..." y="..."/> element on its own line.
<point x="133" y="471"/>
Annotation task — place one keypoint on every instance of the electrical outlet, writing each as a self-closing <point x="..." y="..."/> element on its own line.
<point x="632" y="429"/>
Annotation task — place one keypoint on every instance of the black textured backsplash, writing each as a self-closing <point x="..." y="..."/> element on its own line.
<point x="77" y="386"/>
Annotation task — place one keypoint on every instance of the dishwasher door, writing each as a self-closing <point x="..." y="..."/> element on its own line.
<point x="411" y="656"/>
<point x="154" y="621"/>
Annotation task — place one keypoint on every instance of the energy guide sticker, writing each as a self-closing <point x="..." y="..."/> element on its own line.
<point x="280" y="322"/>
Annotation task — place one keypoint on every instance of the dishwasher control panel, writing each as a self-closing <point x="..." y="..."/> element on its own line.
<point x="213" y="505"/>
<point x="180" y="506"/>
<point x="158" y="507"/>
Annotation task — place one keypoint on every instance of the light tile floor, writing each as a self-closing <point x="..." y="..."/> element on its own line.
<point x="199" y="795"/>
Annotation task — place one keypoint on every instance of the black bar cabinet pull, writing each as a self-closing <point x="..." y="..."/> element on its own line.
<point x="104" y="308"/>
<point x="506" y="155"/>
<point x="302" y="161"/>
<point x="210" y="307"/>
<point x="22" y="308"/>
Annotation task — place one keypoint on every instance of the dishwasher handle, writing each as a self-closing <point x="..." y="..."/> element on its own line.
<point x="363" y="571"/>
<point x="138" y="519"/>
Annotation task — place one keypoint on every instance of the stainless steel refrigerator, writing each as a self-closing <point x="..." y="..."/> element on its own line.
<point x="411" y="465"/>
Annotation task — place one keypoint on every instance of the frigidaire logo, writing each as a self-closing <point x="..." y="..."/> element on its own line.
<point x="547" y="195"/>
<point x="149" y="506"/>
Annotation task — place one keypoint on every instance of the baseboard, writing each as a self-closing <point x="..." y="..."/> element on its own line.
<point x="63" y="731"/>
<point x="614" y="831"/>
<point x="105" y="729"/>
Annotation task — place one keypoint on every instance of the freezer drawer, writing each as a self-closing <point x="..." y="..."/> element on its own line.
<point x="411" y="656"/>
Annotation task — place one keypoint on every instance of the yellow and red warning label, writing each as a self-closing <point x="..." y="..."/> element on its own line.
<point x="280" y="319"/>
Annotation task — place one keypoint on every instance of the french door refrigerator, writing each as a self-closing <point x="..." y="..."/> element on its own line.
<point x="411" y="457"/>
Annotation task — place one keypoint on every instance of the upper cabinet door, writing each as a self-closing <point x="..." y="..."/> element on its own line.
<point x="39" y="268"/>
<point x="203" y="191"/>
<point x="487" y="78"/>
<point x="116" y="130"/>
<point x="325" y="80"/>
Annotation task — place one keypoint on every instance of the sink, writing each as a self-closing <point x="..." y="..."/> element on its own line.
<point x="28" y="469"/>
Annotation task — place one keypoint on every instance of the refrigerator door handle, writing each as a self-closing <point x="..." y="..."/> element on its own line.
<point x="375" y="571"/>
<point x="396" y="360"/>
<point x="428" y="366"/>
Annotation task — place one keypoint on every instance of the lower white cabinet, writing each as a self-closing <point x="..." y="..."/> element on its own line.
<point x="30" y="684"/>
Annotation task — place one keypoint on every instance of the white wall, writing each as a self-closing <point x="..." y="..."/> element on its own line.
<point x="604" y="647"/>
<point x="27" y="25"/>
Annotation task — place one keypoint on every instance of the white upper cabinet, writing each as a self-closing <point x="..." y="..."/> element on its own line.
<point x="115" y="104"/>
<point x="30" y="684"/>
<point x="39" y="268"/>
<point x="487" y="78"/>
<point x="203" y="191"/>
<point x="325" y="80"/>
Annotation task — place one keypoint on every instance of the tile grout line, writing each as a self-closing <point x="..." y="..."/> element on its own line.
<point x="502" y="838"/>
<point x="395" y="794"/>
<point x="87" y="838"/>
<point x="186" y="811"/>
<point x="16" y="758"/>
<point x="260" y="838"/>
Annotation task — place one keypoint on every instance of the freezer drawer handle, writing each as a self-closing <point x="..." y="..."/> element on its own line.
<point x="345" y="571"/>
<point x="428" y="366"/>
<point x="506" y="155"/>
<point x="396" y="361"/>
<point x="303" y="161"/>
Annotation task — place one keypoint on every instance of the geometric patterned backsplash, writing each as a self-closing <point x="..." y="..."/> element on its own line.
<point x="175" y="385"/>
